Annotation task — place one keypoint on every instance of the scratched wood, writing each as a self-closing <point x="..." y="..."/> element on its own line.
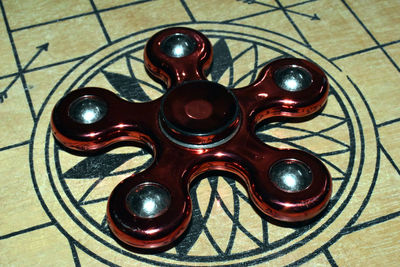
<point x="53" y="202"/>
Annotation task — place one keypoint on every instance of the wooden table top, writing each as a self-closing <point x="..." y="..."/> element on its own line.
<point x="52" y="202"/>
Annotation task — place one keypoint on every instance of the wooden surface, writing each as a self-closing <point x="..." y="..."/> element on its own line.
<point x="52" y="203"/>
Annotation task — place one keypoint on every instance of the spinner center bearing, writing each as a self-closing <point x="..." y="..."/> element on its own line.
<point x="199" y="126"/>
<point x="199" y="114"/>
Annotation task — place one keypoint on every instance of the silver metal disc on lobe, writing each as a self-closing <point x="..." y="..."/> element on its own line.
<point x="178" y="45"/>
<point x="87" y="110"/>
<point x="148" y="200"/>
<point x="291" y="175"/>
<point x="292" y="78"/>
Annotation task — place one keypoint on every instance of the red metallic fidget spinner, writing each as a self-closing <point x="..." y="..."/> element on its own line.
<point x="199" y="126"/>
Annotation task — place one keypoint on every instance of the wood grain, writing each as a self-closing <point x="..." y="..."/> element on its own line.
<point x="53" y="202"/>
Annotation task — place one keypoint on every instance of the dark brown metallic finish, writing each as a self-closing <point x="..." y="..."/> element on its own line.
<point x="192" y="132"/>
<point x="171" y="70"/>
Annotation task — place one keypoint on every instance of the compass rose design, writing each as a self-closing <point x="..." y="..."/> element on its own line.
<point x="220" y="230"/>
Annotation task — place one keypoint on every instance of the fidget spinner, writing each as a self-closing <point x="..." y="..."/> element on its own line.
<point x="197" y="127"/>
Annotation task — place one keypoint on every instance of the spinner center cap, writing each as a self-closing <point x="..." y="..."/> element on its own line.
<point x="199" y="113"/>
<point x="199" y="109"/>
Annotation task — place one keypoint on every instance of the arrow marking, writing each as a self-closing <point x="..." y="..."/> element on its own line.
<point x="41" y="48"/>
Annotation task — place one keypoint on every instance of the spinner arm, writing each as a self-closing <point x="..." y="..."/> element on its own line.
<point x="199" y="126"/>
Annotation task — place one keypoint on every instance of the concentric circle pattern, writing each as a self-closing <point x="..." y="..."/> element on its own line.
<point x="78" y="187"/>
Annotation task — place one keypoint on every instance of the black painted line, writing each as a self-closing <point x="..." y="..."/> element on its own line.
<point x="333" y="116"/>
<point x="373" y="222"/>
<point x="253" y="73"/>
<point x="15" y="145"/>
<point x="27" y="230"/>
<point x="265" y="232"/>
<point x="289" y="140"/>
<point x="292" y="22"/>
<point x="268" y="138"/>
<point x="18" y="62"/>
<point x="313" y="134"/>
<point x="242" y="53"/>
<point x="207" y="215"/>
<point x="93" y="254"/>
<point x="337" y="213"/>
<point x="390" y="159"/>
<point x="377" y="164"/>
<point x="329" y="257"/>
<point x="280" y="254"/>
<point x="332" y="153"/>
<point x="314" y="17"/>
<point x="140" y="60"/>
<point x="349" y="170"/>
<point x="51" y="22"/>
<point x="214" y="188"/>
<point x="364" y="50"/>
<point x="160" y="90"/>
<point x="74" y="253"/>
<point x="244" y="197"/>
<point x="93" y="201"/>
<point x="56" y="64"/>
<point x="139" y="81"/>
<point x="40" y="48"/>
<point x="127" y="171"/>
<point x="103" y="223"/>
<point x="8" y="75"/>
<point x="389" y="122"/>
<point x="77" y="16"/>
<point x="233" y="228"/>
<point x="103" y="28"/>
<point x="46" y="66"/>
<point x="338" y="178"/>
<point x="256" y="57"/>
<point x="133" y="170"/>
<point x="370" y="34"/>
<point x="263" y="39"/>
<point x="212" y="241"/>
<point x="250" y="16"/>
<point x="70" y="214"/>
<point x="300" y="3"/>
<point x="261" y="4"/>
<point x="35" y="183"/>
<point x="188" y="11"/>
<point x="236" y="214"/>
<point x="90" y="189"/>
<point x="333" y="166"/>
<point x="235" y="219"/>
<point x="124" y="5"/>
<point x="272" y="6"/>
<point x="196" y="227"/>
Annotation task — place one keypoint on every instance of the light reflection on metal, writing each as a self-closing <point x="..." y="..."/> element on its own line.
<point x="186" y="143"/>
